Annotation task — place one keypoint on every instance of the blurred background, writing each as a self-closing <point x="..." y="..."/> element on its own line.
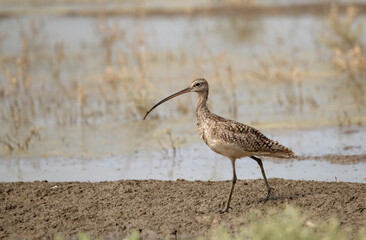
<point x="76" y="78"/>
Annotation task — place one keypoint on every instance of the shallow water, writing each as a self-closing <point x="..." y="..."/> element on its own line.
<point x="130" y="150"/>
<point x="197" y="162"/>
<point x="236" y="36"/>
<point x="215" y="168"/>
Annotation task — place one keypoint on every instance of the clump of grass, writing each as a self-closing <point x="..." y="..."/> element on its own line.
<point x="16" y="139"/>
<point x="137" y="87"/>
<point x="351" y="62"/>
<point x="286" y="224"/>
<point x="344" y="32"/>
<point x="344" y="38"/>
<point x="228" y="90"/>
<point x="286" y="70"/>
<point x="222" y="75"/>
<point x="18" y="108"/>
<point x="348" y="56"/>
<point x="59" y="59"/>
<point x="109" y="36"/>
<point x="276" y="225"/>
<point x="169" y="142"/>
<point x="125" y="87"/>
<point x="343" y="119"/>
<point x="45" y="83"/>
<point x="125" y="74"/>
<point x="82" y="99"/>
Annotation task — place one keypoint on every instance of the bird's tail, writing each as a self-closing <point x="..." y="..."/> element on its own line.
<point x="281" y="151"/>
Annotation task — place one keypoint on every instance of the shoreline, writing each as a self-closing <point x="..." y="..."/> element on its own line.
<point x="220" y="10"/>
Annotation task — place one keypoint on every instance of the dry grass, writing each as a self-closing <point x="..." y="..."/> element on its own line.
<point x="18" y="136"/>
<point x="13" y="140"/>
<point x="136" y="86"/>
<point x="348" y="54"/>
<point x="351" y="62"/>
<point x="125" y="73"/>
<point x="220" y="73"/>
<point x="287" y="71"/>
<point x="115" y="84"/>
<point x="61" y="99"/>
<point x="39" y="86"/>
<point x="170" y="143"/>
<point x="18" y="104"/>
<point x="109" y="35"/>
<point x="344" y="30"/>
<point x="344" y="39"/>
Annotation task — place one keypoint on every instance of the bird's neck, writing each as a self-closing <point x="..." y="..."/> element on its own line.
<point x="201" y="108"/>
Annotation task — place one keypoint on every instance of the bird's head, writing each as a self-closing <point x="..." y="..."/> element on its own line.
<point x="199" y="85"/>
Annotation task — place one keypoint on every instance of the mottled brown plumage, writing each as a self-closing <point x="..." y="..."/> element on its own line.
<point x="230" y="138"/>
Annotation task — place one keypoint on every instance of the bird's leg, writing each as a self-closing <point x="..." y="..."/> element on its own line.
<point x="269" y="189"/>
<point x="226" y="208"/>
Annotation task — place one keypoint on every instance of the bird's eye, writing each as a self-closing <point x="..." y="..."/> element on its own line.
<point x="198" y="84"/>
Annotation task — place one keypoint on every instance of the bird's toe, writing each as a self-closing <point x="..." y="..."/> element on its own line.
<point x="225" y="209"/>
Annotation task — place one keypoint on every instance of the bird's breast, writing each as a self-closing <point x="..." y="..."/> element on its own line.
<point x="201" y="131"/>
<point x="213" y="139"/>
<point x="207" y="132"/>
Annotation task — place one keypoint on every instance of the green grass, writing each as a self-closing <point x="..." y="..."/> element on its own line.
<point x="287" y="224"/>
<point x="275" y="225"/>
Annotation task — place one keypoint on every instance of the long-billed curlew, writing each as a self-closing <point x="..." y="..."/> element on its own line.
<point x="230" y="138"/>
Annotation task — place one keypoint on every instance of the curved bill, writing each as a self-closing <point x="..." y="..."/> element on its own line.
<point x="168" y="98"/>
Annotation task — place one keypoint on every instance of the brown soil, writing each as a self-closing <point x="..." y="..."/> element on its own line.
<point x="181" y="208"/>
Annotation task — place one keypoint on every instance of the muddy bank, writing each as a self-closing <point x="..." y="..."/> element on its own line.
<point x="157" y="208"/>
<point x="251" y="10"/>
<point x="335" y="158"/>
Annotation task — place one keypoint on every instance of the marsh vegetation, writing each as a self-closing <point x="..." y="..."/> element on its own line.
<point x="118" y="66"/>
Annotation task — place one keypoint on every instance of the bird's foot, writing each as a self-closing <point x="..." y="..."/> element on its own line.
<point x="225" y="209"/>
<point x="269" y="190"/>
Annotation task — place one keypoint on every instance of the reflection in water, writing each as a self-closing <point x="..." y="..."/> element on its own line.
<point x="204" y="167"/>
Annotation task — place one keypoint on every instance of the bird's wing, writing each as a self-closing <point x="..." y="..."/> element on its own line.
<point x="252" y="140"/>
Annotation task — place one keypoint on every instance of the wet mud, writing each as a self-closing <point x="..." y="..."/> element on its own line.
<point x="181" y="209"/>
<point x="336" y="158"/>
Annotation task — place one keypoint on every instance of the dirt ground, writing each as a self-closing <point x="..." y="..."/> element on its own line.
<point x="182" y="209"/>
